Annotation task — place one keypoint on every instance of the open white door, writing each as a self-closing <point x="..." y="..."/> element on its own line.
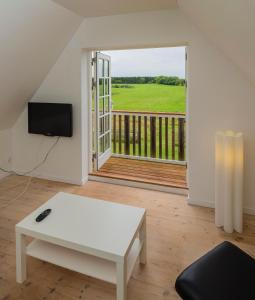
<point x="103" y="105"/>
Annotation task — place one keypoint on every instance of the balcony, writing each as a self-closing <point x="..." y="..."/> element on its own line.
<point x="149" y="148"/>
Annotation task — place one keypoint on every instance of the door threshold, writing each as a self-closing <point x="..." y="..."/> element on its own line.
<point x="142" y="185"/>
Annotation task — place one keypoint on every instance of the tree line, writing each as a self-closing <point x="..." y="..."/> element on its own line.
<point x="166" y="80"/>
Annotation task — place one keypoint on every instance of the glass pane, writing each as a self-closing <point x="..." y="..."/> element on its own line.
<point x="101" y="87"/>
<point x="107" y="91"/>
<point x="107" y="141"/>
<point x="101" y="106"/>
<point x="100" y="70"/>
<point x="107" y="123"/>
<point x="101" y="145"/>
<point x="106" y="68"/>
<point x="107" y="104"/>
<point x="101" y="125"/>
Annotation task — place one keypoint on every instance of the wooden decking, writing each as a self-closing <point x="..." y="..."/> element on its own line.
<point x="164" y="174"/>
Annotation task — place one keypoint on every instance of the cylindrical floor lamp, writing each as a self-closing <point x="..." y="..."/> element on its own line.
<point x="229" y="181"/>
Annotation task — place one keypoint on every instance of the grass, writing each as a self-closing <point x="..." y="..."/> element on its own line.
<point x="149" y="97"/>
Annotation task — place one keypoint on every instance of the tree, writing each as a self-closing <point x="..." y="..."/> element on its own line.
<point x="166" y="80"/>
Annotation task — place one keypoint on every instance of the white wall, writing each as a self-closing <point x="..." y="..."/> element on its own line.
<point x="230" y="25"/>
<point x="219" y="97"/>
<point x="63" y="85"/>
<point x="5" y="151"/>
<point x="32" y="35"/>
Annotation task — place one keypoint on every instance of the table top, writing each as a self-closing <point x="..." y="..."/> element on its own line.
<point x="85" y="224"/>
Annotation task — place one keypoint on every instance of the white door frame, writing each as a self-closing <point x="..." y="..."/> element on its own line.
<point x="90" y="112"/>
<point x="103" y="130"/>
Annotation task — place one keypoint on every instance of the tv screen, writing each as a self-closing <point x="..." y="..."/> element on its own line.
<point x="51" y="119"/>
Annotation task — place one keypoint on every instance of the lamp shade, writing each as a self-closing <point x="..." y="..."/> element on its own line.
<point x="229" y="181"/>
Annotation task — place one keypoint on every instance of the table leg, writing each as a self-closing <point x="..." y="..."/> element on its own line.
<point x="121" y="280"/>
<point x="21" y="269"/>
<point x="143" y="239"/>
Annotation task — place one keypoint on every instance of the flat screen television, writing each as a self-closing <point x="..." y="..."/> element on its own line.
<point x="51" y="119"/>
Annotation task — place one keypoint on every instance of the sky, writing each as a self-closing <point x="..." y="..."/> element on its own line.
<point x="148" y="62"/>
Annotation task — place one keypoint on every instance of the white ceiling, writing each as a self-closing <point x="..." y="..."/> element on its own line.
<point x="96" y="8"/>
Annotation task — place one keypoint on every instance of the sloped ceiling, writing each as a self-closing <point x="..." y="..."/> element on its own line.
<point x="230" y="24"/>
<point x="96" y="8"/>
<point x="32" y="35"/>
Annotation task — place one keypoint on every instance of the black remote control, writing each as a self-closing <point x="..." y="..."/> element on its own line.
<point x="43" y="215"/>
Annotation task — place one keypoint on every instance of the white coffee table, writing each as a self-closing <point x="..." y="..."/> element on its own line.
<point x="94" y="237"/>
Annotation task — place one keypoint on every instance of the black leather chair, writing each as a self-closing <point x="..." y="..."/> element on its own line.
<point x="224" y="273"/>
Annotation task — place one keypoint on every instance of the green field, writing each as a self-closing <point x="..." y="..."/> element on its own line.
<point x="149" y="97"/>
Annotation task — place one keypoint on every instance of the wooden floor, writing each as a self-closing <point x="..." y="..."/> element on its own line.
<point x="165" y="174"/>
<point x="177" y="235"/>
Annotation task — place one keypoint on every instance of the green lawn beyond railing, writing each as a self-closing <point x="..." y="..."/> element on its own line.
<point x="149" y="97"/>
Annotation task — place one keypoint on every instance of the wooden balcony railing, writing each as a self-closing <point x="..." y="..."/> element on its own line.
<point x="155" y="136"/>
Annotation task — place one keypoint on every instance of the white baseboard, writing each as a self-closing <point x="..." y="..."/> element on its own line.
<point x="58" y="178"/>
<point x="84" y="180"/>
<point x="201" y="203"/>
<point x="141" y="185"/>
<point x="3" y="175"/>
<point x="247" y="210"/>
<point x="61" y="179"/>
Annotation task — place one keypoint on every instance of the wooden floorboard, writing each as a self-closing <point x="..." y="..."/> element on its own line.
<point x="165" y="174"/>
<point x="177" y="235"/>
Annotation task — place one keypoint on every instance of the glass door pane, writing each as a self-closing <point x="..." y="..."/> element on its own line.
<point x="103" y="108"/>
